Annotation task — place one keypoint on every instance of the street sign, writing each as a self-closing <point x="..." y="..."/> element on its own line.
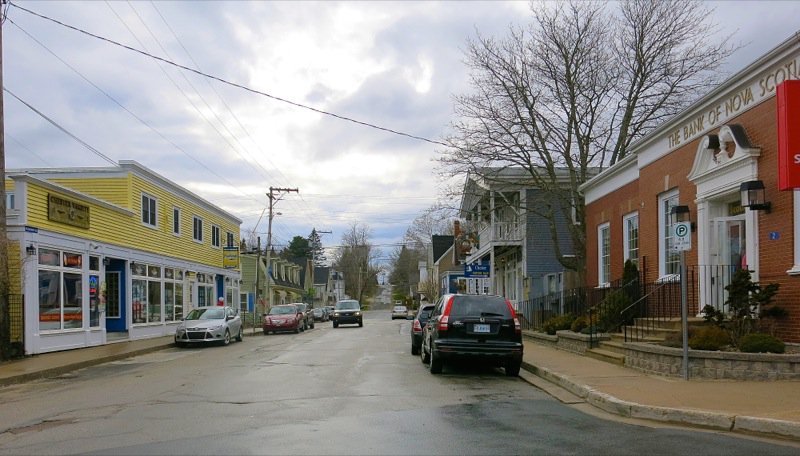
<point x="476" y="270"/>
<point x="682" y="239"/>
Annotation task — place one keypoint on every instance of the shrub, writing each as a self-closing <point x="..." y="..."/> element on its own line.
<point x="609" y="311"/>
<point x="761" y="343"/>
<point x="579" y="324"/>
<point x="558" y="323"/>
<point x="709" y="338"/>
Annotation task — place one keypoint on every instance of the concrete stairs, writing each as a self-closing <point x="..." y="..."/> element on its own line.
<point x="613" y="351"/>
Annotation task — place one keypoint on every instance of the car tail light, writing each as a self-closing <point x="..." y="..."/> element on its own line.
<point x="417" y="327"/>
<point x="444" y="320"/>
<point x="517" y="327"/>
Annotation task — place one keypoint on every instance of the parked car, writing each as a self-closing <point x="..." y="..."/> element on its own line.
<point x="320" y="314"/>
<point x="210" y="324"/>
<point x="477" y="327"/>
<point x="420" y="320"/>
<point x="329" y="310"/>
<point x="399" y="312"/>
<point x="283" y="318"/>
<point x="309" y="315"/>
<point x="347" y="311"/>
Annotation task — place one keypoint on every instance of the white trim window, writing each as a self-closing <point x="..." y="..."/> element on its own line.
<point x="10" y="203"/>
<point x="229" y="239"/>
<point x="215" y="236"/>
<point x="604" y="254"/>
<point x="147" y="301"/>
<point x="176" y="221"/>
<point x="668" y="258"/>
<point x="173" y="294"/>
<point x="630" y="238"/>
<point x="60" y="290"/>
<point x="197" y="230"/>
<point x="149" y="207"/>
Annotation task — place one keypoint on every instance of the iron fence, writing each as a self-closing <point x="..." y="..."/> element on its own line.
<point x="635" y="308"/>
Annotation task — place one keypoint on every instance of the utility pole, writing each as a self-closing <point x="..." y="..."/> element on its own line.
<point x="258" y="273"/>
<point x="272" y="200"/>
<point x="5" y="314"/>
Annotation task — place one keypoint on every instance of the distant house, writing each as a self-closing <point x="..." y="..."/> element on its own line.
<point x="328" y="286"/>
<point x="288" y="281"/>
<point x="509" y="250"/>
<point x="447" y="268"/>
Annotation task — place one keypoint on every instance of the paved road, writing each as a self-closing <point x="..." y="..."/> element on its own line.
<point x="348" y="390"/>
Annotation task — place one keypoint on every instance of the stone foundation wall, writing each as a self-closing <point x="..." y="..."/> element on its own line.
<point x="660" y="360"/>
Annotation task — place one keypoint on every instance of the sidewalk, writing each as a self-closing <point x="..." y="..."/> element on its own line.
<point x="770" y="408"/>
<point x="767" y="408"/>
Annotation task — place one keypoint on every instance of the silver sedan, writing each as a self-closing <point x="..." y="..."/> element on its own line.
<point x="210" y="324"/>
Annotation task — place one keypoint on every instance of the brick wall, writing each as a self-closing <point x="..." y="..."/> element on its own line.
<point x="669" y="173"/>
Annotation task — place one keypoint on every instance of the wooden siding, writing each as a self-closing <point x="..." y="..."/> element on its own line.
<point x="114" y="227"/>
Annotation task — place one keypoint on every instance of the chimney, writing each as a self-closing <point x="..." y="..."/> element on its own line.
<point x="456" y="228"/>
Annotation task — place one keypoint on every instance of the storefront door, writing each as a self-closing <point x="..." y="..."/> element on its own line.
<point x="116" y="315"/>
<point x="728" y="255"/>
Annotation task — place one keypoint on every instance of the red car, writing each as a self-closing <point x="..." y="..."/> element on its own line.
<point x="284" y="318"/>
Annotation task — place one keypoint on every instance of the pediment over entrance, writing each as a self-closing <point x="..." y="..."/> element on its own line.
<point x="717" y="153"/>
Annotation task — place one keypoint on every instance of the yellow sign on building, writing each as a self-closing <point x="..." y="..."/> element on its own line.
<point x="67" y="211"/>
<point x="230" y="257"/>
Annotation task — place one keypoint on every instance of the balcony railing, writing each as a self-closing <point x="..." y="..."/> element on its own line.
<point x="502" y="232"/>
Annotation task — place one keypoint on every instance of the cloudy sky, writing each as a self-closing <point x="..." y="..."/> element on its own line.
<point x="393" y="65"/>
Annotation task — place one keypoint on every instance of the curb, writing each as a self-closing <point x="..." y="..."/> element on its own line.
<point x="60" y="370"/>
<point x="711" y="420"/>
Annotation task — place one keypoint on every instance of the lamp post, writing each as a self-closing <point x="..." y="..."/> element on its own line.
<point x="682" y="241"/>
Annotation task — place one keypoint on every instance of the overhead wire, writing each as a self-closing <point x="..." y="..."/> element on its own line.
<point x="208" y="76"/>
<point x="64" y="130"/>
<point x="233" y="84"/>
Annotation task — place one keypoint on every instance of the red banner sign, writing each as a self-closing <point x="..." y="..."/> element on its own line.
<point x="788" y="95"/>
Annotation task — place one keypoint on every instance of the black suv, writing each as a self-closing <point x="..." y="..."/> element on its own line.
<point x="480" y="327"/>
<point x="347" y="311"/>
<point x="418" y="325"/>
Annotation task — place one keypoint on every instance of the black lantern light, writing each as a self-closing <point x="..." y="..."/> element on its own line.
<point x="30" y="250"/>
<point x="679" y="214"/>
<point x="753" y="196"/>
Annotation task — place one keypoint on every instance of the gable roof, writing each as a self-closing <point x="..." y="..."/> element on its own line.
<point x="440" y="245"/>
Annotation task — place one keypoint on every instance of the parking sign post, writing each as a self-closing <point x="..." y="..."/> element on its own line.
<point x="683" y="242"/>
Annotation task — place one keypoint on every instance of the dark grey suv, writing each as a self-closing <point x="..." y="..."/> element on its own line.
<point x="347" y="311"/>
<point x="476" y="327"/>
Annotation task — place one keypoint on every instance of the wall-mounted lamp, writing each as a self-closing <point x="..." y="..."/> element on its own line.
<point x="133" y="265"/>
<point x="680" y="214"/>
<point x="107" y="261"/>
<point x="30" y="250"/>
<point x="753" y="196"/>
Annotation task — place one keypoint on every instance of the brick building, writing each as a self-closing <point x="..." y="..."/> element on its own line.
<point x="700" y="159"/>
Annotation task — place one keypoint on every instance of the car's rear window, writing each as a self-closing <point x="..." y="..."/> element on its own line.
<point x="425" y="314"/>
<point x="283" y="310"/>
<point x="476" y="306"/>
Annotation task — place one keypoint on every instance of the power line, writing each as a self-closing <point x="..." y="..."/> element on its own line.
<point x="67" y="132"/>
<point x="233" y="84"/>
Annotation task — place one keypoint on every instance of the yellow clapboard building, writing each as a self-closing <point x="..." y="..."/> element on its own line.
<point x="115" y="253"/>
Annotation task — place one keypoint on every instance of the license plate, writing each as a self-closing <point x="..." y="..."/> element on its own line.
<point x="480" y="328"/>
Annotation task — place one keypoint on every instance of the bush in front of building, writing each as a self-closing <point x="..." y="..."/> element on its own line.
<point x="558" y="323"/>
<point x="761" y="343"/>
<point x="579" y="324"/>
<point x="711" y="338"/>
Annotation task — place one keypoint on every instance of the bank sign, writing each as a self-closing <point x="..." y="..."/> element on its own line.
<point x="788" y="97"/>
<point x="476" y="270"/>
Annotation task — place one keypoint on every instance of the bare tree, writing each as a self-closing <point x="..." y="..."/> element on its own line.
<point x="567" y="96"/>
<point x="437" y="219"/>
<point x="357" y="260"/>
